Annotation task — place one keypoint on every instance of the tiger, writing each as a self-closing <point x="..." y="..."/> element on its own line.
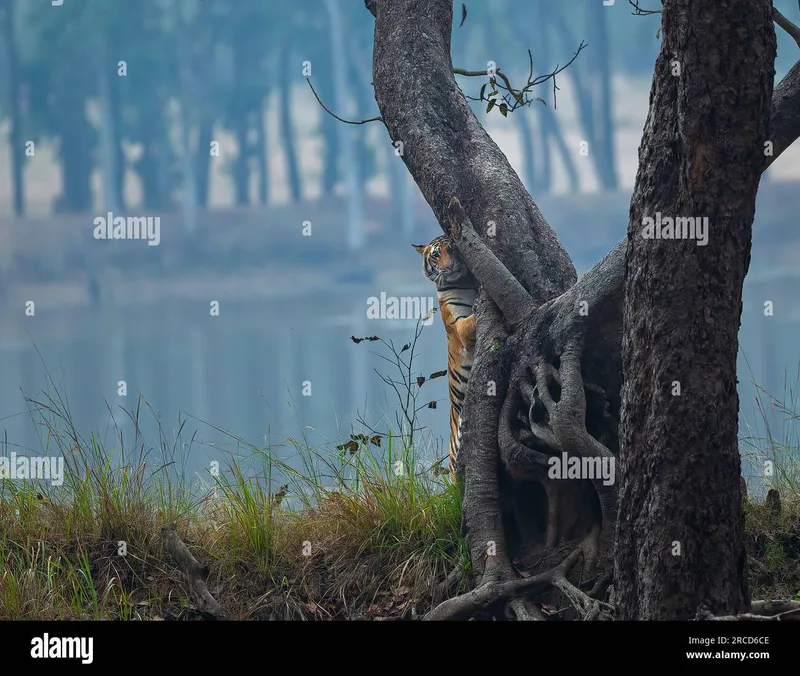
<point x="456" y="290"/>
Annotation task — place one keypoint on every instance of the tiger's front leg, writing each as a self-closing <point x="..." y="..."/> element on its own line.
<point x="465" y="330"/>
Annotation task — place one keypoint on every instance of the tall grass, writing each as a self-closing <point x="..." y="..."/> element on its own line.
<point x="770" y="444"/>
<point x="366" y="528"/>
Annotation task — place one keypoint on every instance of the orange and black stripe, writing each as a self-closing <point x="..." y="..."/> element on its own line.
<point x="456" y="290"/>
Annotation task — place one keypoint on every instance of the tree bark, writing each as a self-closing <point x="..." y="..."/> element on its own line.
<point x="547" y="379"/>
<point x="680" y="538"/>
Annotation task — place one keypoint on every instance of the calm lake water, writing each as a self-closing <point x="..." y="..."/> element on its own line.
<point x="263" y="371"/>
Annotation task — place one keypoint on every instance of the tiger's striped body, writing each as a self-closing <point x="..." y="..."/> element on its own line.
<point x="456" y="290"/>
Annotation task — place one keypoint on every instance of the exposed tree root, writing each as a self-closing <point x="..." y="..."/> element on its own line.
<point x="760" y="611"/>
<point x="539" y="412"/>
<point x="195" y="573"/>
<point x="500" y="585"/>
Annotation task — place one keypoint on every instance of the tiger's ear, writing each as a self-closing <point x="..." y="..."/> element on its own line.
<point x="419" y="248"/>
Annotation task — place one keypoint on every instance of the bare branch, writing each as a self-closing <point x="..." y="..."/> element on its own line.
<point x="642" y="12"/>
<point x="510" y="296"/>
<point x="791" y="28"/>
<point x="785" y="114"/>
<point x="332" y="114"/>
<point x="519" y="96"/>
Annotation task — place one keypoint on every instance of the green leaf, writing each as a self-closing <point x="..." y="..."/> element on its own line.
<point x="504" y="110"/>
<point x="490" y="106"/>
<point x="483" y="89"/>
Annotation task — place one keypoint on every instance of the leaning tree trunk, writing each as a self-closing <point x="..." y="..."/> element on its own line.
<point x="680" y="535"/>
<point x="546" y="379"/>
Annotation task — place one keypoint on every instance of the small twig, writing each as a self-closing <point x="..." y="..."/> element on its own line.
<point x="791" y="28"/>
<point x="478" y="73"/>
<point x="341" y="119"/>
<point x="642" y="12"/>
<point x="519" y="96"/>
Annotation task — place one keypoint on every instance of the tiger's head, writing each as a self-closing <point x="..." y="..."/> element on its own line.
<point x="443" y="266"/>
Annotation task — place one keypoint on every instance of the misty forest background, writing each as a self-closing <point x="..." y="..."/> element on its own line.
<point x="135" y="140"/>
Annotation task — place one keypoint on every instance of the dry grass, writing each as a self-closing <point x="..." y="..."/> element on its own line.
<point x="355" y="534"/>
<point x="771" y="443"/>
<point x="359" y="531"/>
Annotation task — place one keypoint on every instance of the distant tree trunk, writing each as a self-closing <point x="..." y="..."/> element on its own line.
<point x="120" y="163"/>
<point x="261" y="154"/>
<point x="7" y="14"/>
<point x="241" y="165"/>
<point x="287" y="133"/>
<point x="108" y="136"/>
<point x="551" y="127"/>
<point x="188" y="107"/>
<point x="203" y="158"/>
<point x="604" y="153"/>
<point x="75" y="149"/>
<point x="359" y="84"/>
<point x="680" y="530"/>
<point x="344" y="107"/>
<point x="240" y="125"/>
<point x="401" y="193"/>
<point x="151" y="166"/>
<point x="189" y="199"/>
<point x="329" y="127"/>
<point x="551" y="137"/>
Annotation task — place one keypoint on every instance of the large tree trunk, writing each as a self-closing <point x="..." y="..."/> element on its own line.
<point x="680" y="540"/>
<point x="547" y="380"/>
